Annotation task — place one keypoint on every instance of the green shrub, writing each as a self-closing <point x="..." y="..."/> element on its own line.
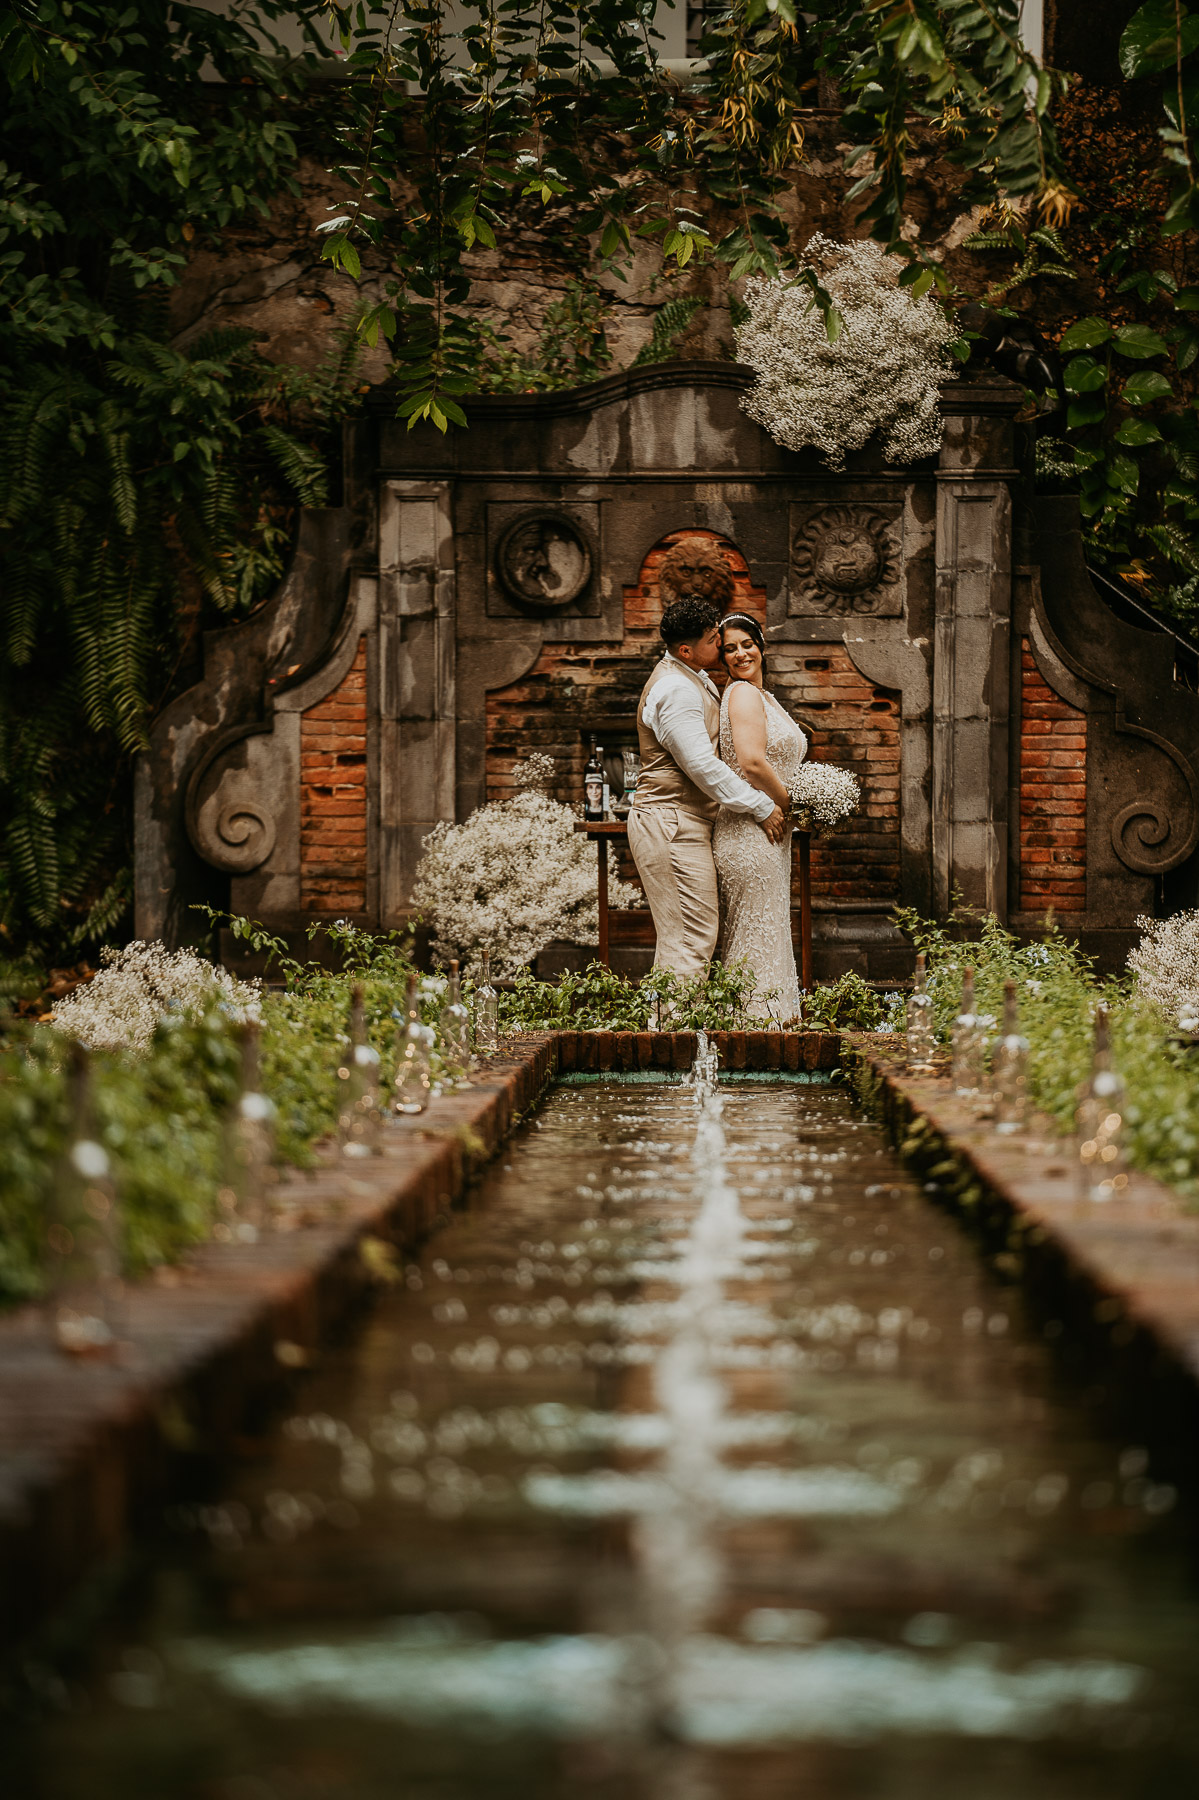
<point x="1059" y="991"/>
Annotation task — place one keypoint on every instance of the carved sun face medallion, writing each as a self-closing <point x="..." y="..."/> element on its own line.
<point x="845" y="560"/>
<point x="544" y="560"/>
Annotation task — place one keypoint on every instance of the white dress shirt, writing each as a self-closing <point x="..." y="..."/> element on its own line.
<point x="674" y="712"/>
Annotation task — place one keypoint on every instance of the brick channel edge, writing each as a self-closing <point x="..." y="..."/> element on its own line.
<point x="89" y="1450"/>
<point x="1115" y="1282"/>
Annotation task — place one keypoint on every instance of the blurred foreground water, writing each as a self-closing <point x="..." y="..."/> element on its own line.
<point x="699" y="1460"/>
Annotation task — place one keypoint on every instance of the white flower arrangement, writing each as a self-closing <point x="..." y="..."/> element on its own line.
<point x="512" y="878"/>
<point x="137" y="987"/>
<point x="822" y="795"/>
<point x="883" y="373"/>
<point x="536" y="773"/>
<point x="1166" y="966"/>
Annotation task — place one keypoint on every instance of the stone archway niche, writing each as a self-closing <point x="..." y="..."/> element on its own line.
<point x="496" y="591"/>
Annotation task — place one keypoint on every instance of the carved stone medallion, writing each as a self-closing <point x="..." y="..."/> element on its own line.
<point x="543" y="559"/>
<point x="846" y="559"/>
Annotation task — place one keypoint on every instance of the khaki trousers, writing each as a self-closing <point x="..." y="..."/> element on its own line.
<point x="672" y="849"/>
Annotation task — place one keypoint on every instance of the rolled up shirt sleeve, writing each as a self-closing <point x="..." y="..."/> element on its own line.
<point x="674" y="712"/>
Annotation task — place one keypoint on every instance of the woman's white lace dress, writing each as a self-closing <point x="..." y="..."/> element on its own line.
<point x="755" y="875"/>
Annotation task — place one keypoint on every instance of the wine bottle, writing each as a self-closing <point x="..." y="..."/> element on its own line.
<point x="410" y="1090"/>
<point x="358" y="1116"/>
<point x="921" y="1033"/>
<point x="594" y="786"/>
<point x="1099" y="1121"/>
<point x="967" y="1044"/>
<point x="249" y="1151"/>
<point x="455" y="1033"/>
<point x="486" y="1011"/>
<point x="1009" y="1068"/>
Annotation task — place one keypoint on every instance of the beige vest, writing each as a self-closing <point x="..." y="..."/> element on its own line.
<point x="662" y="782"/>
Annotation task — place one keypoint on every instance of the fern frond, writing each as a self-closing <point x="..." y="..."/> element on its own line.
<point x="670" y="323"/>
<point x="301" y="465"/>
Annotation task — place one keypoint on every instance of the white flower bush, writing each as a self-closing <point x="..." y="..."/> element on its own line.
<point x="882" y="374"/>
<point x="122" y="1006"/>
<point x="512" y="878"/>
<point x="822" y="795"/>
<point x="1166" y="966"/>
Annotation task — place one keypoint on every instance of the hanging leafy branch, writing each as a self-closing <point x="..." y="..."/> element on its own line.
<point x="461" y="123"/>
<point x="1130" y="433"/>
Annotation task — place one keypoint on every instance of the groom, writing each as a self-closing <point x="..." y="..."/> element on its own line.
<point x="682" y="786"/>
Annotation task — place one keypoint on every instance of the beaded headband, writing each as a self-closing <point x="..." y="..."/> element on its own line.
<point x="754" y="629"/>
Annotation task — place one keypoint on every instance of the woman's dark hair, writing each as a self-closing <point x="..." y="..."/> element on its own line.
<point x="752" y="629"/>
<point x="687" y="619"/>
<point x="748" y="625"/>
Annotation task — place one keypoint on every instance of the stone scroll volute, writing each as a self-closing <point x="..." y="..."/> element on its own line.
<point x="1157" y="827"/>
<point x="846" y="561"/>
<point x="231" y="809"/>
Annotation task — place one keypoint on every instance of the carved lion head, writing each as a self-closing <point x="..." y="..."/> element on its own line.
<point x="696" y="566"/>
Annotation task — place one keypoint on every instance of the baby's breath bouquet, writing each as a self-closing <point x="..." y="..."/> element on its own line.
<point x="882" y="373"/>
<point x="512" y="877"/>
<point x="821" y="796"/>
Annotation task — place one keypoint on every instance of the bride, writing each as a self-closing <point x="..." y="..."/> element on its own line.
<point x="762" y="743"/>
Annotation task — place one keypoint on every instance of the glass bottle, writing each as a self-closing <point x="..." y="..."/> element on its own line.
<point x="921" y="1032"/>
<point x="967" y="1043"/>
<point x="631" y="768"/>
<point x="1099" y="1121"/>
<point x="249" y="1150"/>
<point x="84" y="1234"/>
<point x="358" y="1116"/>
<point x="455" y="1031"/>
<point x="486" y="1012"/>
<point x="593" y="786"/>
<point x="1009" y="1068"/>
<point x="410" y="1091"/>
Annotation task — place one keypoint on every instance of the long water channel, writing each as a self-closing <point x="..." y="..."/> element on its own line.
<point x="700" y="1458"/>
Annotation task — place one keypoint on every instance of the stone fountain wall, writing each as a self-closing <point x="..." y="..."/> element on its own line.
<point x="496" y="591"/>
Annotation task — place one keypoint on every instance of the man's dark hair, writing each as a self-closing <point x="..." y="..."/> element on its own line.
<point x="687" y="619"/>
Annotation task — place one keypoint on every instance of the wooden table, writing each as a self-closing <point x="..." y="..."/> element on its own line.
<point x="601" y="830"/>
<point x="604" y="829"/>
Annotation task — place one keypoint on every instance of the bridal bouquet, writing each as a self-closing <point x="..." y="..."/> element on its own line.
<point x="821" y="796"/>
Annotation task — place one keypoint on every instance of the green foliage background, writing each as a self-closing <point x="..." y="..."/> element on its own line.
<point x="145" y="489"/>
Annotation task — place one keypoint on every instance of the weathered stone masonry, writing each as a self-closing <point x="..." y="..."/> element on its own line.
<point x="497" y="591"/>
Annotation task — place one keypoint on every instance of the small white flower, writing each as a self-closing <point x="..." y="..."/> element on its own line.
<point x="1166" y="966"/>
<point x="823" y="794"/>
<point x="143" y="984"/>
<point x="90" y="1159"/>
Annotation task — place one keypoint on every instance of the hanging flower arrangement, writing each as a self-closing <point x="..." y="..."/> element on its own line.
<point x="881" y="374"/>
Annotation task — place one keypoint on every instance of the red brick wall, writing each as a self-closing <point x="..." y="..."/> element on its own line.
<point x="1053" y="796"/>
<point x="333" y="797"/>
<point x="573" y="688"/>
<point x="856" y="724"/>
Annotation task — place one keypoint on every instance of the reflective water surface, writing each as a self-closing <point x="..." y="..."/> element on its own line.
<point x="700" y="1459"/>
